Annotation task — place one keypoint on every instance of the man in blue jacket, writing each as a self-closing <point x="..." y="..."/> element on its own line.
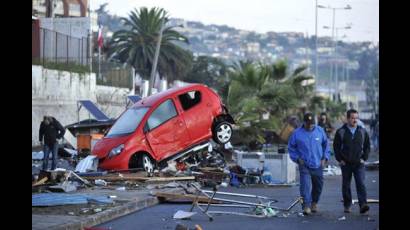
<point x="308" y="147"/>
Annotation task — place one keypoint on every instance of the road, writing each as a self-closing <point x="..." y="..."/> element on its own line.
<point x="330" y="205"/>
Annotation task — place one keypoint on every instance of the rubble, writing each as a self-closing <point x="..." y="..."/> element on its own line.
<point x="88" y="164"/>
<point x="332" y="170"/>
<point x="181" y="215"/>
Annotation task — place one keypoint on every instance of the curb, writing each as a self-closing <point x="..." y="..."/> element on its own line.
<point x="112" y="213"/>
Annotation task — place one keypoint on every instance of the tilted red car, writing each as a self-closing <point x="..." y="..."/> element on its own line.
<point x="162" y="126"/>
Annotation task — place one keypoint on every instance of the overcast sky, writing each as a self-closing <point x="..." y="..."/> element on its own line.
<point x="268" y="15"/>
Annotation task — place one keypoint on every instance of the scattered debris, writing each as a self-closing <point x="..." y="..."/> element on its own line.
<point x="342" y="218"/>
<point x="372" y="165"/>
<point x="67" y="186"/>
<point x="71" y="213"/>
<point x="40" y="182"/>
<point x="174" y="197"/>
<point x="370" y="219"/>
<point x="332" y="170"/>
<point x="90" y="163"/>
<point x="374" y="181"/>
<point x="120" y="189"/>
<point x="370" y="201"/>
<point x="53" y="199"/>
<point x="39" y="155"/>
<point x="100" y="182"/>
<point x="97" y="210"/>
<point x="301" y="214"/>
<point x="180" y="215"/>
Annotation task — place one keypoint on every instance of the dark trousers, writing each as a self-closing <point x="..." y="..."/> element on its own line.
<point x="311" y="184"/>
<point x="358" y="171"/>
<point x="47" y="149"/>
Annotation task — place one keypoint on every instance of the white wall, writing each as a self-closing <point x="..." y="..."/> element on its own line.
<point x="56" y="93"/>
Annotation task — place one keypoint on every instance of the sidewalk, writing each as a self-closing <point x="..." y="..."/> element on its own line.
<point x="129" y="201"/>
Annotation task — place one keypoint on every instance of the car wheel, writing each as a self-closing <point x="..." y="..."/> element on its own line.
<point x="222" y="132"/>
<point x="147" y="163"/>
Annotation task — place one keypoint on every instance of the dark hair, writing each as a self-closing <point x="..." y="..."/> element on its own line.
<point x="350" y="111"/>
<point x="323" y="113"/>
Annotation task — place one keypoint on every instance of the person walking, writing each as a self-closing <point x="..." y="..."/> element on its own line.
<point x="352" y="146"/>
<point x="50" y="130"/>
<point x="308" y="147"/>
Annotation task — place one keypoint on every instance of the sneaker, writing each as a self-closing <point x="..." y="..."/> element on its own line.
<point x="347" y="210"/>
<point x="306" y="211"/>
<point x="364" y="209"/>
<point x="314" y="207"/>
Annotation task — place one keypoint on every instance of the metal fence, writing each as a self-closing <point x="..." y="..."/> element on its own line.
<point x="113" y="74"/>
<point x="62" y="48"/>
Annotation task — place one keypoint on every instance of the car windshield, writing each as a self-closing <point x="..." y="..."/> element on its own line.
<point x="128" y="122"/>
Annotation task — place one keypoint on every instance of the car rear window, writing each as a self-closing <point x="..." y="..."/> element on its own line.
<point x="128" y="122"/>
<point x="190" y="99"/>
<point x="163" y="113"/>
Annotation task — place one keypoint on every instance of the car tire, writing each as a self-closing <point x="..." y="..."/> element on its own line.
<point x="222" y="132"/>
<point x="147" y="163"/>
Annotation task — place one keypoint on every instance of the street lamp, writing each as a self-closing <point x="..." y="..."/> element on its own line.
<point x="335" y="53"/>
<point x="347" y="7"/>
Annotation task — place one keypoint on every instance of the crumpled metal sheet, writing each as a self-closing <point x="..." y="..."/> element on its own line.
<point x="90" y="163"/>
<point x="54" y="199"/>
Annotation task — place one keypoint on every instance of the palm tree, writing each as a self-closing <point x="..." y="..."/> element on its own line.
<point x="261" y="96"/>
<point x="136" y="44"/>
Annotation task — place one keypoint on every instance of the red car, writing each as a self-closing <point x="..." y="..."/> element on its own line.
<point x="164" y="126"/>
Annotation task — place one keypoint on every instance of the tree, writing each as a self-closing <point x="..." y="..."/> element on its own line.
<point x="136" y="44"/>
<point x="209" y="71"/>
<point x="260" y="97"/>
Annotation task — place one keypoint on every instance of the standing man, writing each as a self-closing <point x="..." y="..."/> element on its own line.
<point x="308" y="147"/>
<point x="352" y="147"/>
<point x="50" y="131"/>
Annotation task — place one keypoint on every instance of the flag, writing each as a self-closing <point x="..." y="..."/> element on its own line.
<point x="100" y="37"/>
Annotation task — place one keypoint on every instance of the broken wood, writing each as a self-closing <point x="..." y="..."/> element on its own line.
<point x="40" y="182"/>
<point x="139" y="178"/>
<point x="166" y="196"/>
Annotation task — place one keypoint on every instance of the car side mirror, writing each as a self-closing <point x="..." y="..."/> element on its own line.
<point x="146" y="128"/>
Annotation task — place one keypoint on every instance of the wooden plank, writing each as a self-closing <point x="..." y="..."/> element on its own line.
<point x="166" y="196"/>
<point x="40" y="182"/>
<point x="167" y="179"/>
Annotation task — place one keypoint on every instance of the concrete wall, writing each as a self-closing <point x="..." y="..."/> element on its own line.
<point x="56" y="93"/>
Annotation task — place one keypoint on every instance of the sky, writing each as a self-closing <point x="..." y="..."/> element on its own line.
<point x="268" y="15"/>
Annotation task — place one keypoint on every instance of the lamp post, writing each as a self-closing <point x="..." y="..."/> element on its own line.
<point x="347" y="7"/>
<point x="336" y="58"/>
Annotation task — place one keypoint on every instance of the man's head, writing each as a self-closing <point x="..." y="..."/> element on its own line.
<point x="47" y="119"/>
<point x="352" y="117"/>
<point x="323" y="117"/>
<point x="308" y="120"/>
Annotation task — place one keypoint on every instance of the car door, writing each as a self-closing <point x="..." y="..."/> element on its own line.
<point x="167" y="133"/>
<point x="196" y="114"/>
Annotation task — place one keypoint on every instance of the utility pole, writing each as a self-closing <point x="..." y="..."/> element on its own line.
<point x="154" y="64"/>
<point x="316" y="57"/>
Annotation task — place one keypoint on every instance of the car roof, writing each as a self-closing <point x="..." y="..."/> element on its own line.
<point x="157" y="98"/>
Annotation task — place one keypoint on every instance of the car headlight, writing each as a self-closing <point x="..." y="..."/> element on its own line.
<point x="115" y="151"/>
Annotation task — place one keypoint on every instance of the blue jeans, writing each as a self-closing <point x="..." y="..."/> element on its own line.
<point x="47" y="150"/>
<point x="358" y="172"/>
<point x="311" y="184"/>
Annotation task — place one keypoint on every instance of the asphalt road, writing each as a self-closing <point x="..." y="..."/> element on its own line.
<point x="330" y="205"/>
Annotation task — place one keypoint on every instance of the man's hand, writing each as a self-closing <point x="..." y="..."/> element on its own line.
<point x="301" y="162"/>
<point x="342" y="163"/>
<point x="361" y="161"/>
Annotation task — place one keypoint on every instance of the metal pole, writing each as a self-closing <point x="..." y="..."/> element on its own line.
<point x="333" y="39"/>
<point x="154" y="65"/>
<point x="316" y="57"/>
<point x="336" y="69"/>
<point x="56" y="47"/>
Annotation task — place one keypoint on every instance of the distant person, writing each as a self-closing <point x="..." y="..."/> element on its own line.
<point x="324" y="122"/>
<point x="374" y="129"/>
<point x="308" y="147"/>
<point x="352" y="146"/>
<point x="50" y="131"/>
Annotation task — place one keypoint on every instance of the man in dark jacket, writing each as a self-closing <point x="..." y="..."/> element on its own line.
<point x="50" y="131"/>
<point x="352" y="147"/>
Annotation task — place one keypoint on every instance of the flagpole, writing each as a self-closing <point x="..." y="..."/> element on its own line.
<point x="99" y="63"/>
